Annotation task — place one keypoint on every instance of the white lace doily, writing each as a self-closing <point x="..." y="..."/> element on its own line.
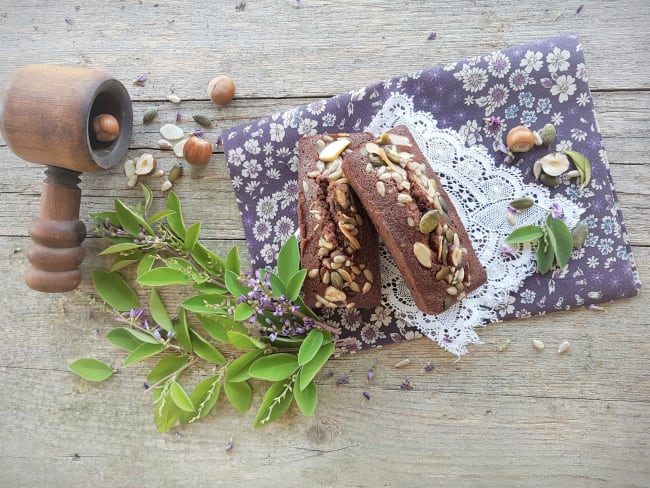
<point x="480" y="190"/>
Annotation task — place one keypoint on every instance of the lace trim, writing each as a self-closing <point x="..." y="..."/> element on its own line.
<point x="480" y="190"/>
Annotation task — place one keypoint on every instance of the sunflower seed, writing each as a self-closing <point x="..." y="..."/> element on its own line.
<point x="404" y="198"/>
<point x="564" y="347"/>
<point x="538" y="345"/>
<point x="381" y="189"/>
<point x="336" y="280"/>
<point x="443" y="273"/>
<point x="313" y="273"/>
<point x="368" y="275"/>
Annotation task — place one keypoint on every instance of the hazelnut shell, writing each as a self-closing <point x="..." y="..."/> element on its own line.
<point x="197" y="151"/>
<point x="106" y="128"/>
<point x="520" y="139"/>
<point x="221" y="90"/>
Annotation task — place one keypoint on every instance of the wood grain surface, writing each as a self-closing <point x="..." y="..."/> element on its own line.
<point x="513" y="418"/>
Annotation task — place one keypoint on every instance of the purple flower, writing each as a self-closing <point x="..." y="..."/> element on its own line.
<point x="156" y="334"/>
<point x="556" y="210"/>
<point x="432" y="36"/>
<point x="179" y="116"/>
<point x="508" y="156"/>
<point x="367" y="395"/>
<point x="507" y="251"/>
<point x="170" y="334"/>
<point x="427" y="367"/>
<point x="371" y="374"/>
<point x="197" y="132"/>
<point x="406" y="385"/>
<point x="139" y="80"/>
<point x="273" y="336"/>
<point x="343" y="379"/>
<point x="494" y="122"/>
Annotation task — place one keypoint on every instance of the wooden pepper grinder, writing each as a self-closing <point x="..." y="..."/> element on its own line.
<point x="73" y="120"/>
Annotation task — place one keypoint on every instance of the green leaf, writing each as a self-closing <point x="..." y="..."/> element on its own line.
<point x="192" y="236"/>
<point x="123" y="262"/>
<point x="208" y="260"/>
<point x="560" y="239"/>
<point x="143" y="336"/>
<point x="121" y="337"/>
<point x="244" y="341"/>
<point x="204" y="397"/>
<point x="91" y="369"/>
<point x="278" y="287"/>
<point x="148" y="197"/>
<point x="274" y="367"/>
<point x="180" y="397"/>
<point x="295" y="284"/>
<point x="166" y="367"/>
<point x="118" y="248"/>
<point x="100" y="217"/>
<point x="166" y="412"/>
<point x="218" y="327"/>
<point x="233" y="261"/>
<point x="288" y="259"/>
<point x="114" y="290"/>
<point x="145" y="264"/>
<point x="235" y="287"/>
<point x="205" y="303"/>
<point x="310" y="346"/>
<point x="276" y="401"/>
<point x="583" y="166"/>
<point x="309" y="371"/>
<point x="159" y="216"/>
<point x="143" y="352"/>
<point x="525" y="233"/>
<point x="130" y="220"/>
<point x="238" y="369"/>
<point x="306" y="399"/>
<point x="182" y="331"/>
<point x="175" y="220"/>
<point x="207" y="287"/>
<point x="159" y="311"/>
<point x="243" y="311"/>
<point x="544" y="255"/>
<point x="214" y="328"/>
<point x="205" y="350"/>
<point x="163" y="276"/>
<point x="239" y="394"/>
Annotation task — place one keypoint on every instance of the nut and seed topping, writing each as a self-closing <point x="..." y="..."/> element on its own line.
<point x="423" y="254"/>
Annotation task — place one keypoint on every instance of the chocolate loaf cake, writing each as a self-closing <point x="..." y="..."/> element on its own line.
<point x="416" y="220"/>
<point x="338" y="244"/>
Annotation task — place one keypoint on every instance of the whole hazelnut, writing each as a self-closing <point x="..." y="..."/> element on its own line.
<point x="197" y="151"/>
<point x="520" y="139"/>
<point x="106" y="128"/>
<point x="221" y="90"/>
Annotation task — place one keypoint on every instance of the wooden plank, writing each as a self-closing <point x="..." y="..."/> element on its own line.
<point x="181" y="48"/>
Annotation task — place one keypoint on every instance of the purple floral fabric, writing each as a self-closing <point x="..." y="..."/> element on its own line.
<point x="534" y="84"/>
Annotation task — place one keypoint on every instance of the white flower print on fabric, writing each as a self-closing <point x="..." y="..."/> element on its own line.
<point x="532" y="61"/>
<point x="474" y="78"/>
<point x="564" y="87"/>
<point x="519" y="79"/>
<point x="252" y="146"/>
<point x="276" y="132"/>
<point x="558" y="60"/>
<point x="307" y="127"/>
<point x="498" y="64"/>
<point x="267" y="207"/>
<point x="236" y="156"/>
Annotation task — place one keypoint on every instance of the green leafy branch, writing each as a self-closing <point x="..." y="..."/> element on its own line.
<point x="553" y="239"/>
<point x="278" y="339"/>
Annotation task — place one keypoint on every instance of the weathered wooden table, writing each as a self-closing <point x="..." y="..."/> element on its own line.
<point x="511" y="418"/>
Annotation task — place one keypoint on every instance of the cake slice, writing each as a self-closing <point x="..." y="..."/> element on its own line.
<point x="338" y="243"/>
<point x="416" y="220"/>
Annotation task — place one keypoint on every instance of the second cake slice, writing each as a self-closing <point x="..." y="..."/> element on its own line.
<point x="416" y="220"/>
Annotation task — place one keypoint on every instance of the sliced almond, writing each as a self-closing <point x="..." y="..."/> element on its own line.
<point x="334" y="149"/>
<point x="423" y="253"/>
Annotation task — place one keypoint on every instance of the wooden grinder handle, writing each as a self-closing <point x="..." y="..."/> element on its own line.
<point x="57" y="234"/>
